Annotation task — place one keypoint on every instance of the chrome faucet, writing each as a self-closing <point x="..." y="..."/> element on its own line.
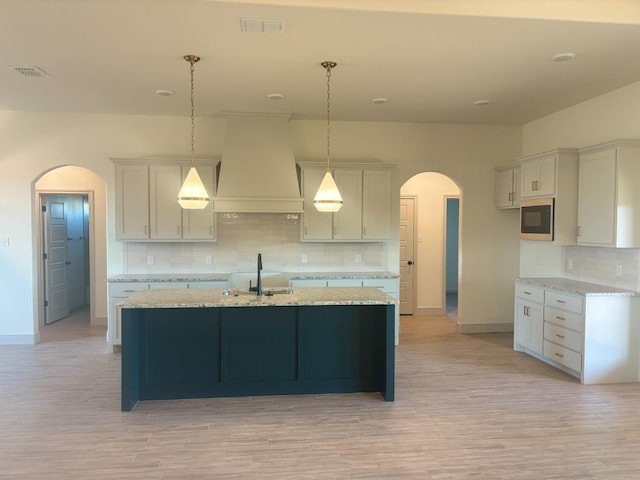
<point x="259" y="284"/>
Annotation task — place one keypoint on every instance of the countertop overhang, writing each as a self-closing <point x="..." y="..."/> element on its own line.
<point x="216" y="297"/>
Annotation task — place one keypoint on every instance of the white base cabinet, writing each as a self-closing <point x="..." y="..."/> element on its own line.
<point x="594" y="337"/>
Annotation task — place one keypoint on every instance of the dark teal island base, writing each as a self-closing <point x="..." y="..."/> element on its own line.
<point x="171" y="353"/>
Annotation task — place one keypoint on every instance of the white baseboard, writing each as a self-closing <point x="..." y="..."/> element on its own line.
<point x="485" y="327"/>
<point x="99" y="321"/>
<point x="19" y="339"/>
<point x="430" y="311"/>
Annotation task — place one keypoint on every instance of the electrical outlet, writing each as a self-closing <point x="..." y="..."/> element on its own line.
<point x="304" y="259"/>
<point x="5" y="241"/>
<point x="570" y="264"/>
<point x="618" y="270"/>
<point x="150" y="260"/>
<point x="358" y="258"/>
<point x="208" y="259"/>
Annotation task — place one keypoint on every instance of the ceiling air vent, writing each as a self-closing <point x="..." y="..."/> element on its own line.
<point x="262" y="25"/>
<point x="30" y="71"/>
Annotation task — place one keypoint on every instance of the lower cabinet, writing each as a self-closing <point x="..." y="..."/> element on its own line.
<point x="594" y="337"/>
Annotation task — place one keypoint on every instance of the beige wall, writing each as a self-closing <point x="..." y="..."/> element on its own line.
<point x="34" y="143"/>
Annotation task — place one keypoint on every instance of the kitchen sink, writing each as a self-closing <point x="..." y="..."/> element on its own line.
<point x="270" y="280"/>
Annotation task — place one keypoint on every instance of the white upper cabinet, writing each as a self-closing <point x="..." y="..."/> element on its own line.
<point x="366" y="212"/>
<point x="132" y="202"/>
<point x="347" y="223"/>
<point x="539" y="176"/>
<point x="554" y="174"/>
<point x="376" y="204"/>
<point x="165" y="214"/>
<point x="507" y="178"/>
<point x="147" y="206"/>
<point x="609" y="197"/>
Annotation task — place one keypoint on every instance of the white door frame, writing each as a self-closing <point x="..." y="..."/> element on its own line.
<point x="39" y="321"/>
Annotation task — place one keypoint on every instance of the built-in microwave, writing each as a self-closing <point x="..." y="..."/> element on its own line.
<point x="536" y="219"/>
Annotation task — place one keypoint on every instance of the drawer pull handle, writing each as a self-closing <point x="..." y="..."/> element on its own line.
<point x="527" y="293"/>
<point x="129" y="291"/>
<point x="561" y="301"/>
<point x="559" y="336"/>
<point x="559" y="355"/>
<point x="560" y="318"/>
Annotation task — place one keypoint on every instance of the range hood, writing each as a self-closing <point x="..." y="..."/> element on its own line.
<point x="258" y="170"/>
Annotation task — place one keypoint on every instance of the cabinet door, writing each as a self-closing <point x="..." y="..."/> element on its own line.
<point x="507" y="187"/>
<point x="539" y="177"/>
<point x="597" y="198"/>
<point x="164" y="211"/>
<point x="376" y="204"/>
<point x="315" y="225"/>
<point x="132" y="202"/>
<point x="529" y="325"/>
<point x="201" y="224"/>
<point x="347" y="223"/>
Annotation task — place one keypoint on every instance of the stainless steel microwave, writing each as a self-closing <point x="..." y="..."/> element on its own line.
<point x="536" y="219"/>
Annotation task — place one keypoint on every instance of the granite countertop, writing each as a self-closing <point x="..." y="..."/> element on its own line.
<point x="215" y="297"/>
<point x="576" y="287"/>
<point x="212" y="277"/>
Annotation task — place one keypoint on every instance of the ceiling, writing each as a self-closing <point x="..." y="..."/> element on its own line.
<point x="431" y="62"/>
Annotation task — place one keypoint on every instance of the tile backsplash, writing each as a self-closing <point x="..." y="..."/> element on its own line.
<point x="618" y="267"/>
<point x="241" y="237"/>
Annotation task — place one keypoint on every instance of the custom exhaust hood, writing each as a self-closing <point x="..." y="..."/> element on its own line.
<point x="258" y="170"/>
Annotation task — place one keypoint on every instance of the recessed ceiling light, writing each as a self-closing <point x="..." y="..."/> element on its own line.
<point x="379" y="100"/>
<point x="563" y="57"/>
<point x="164" y="93"/>
<point x="482" y="103"/>
<point x="275" y="96"/>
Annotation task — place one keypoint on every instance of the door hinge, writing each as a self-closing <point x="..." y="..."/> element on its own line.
<point x="46" y="303"/>
<point x="44" y="256"/>
<point x="44" y="208"/>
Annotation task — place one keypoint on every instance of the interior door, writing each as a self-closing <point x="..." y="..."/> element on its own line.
<point x="407" y="246"/>
<point x="55" y="258"/>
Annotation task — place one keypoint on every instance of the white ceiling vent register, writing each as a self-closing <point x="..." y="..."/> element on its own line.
<point x="262" y="25"/>
<point x="30" y="71"/>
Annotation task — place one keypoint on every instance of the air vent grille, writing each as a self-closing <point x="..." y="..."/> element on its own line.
<point x="262" y="25"/>
<point x="30" y="71"/>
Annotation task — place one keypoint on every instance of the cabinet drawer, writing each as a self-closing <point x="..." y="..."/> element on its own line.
<point x="563" y="318"/>
<point x="563" y="355"/>
<point x="535" y="294"/>
<point x="126" y="289"/>
<point x="168" y="285"/>
<point x="563" y="301"/>
<point x="387" y="285"/>
<point x="563" y="336"/>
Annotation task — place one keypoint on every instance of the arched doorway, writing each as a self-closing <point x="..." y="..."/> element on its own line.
<point x="429" y="202"/>
<point x="72" y="188"/>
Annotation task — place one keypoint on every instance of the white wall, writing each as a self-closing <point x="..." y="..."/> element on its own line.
<point x="612" y="116"/>
<point x="430" y="190"/>
<point x="34" y="143"/>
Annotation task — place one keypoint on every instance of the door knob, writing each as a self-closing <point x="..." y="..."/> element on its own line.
<point x="409" y="262"/>
<point x="67" y="262"/>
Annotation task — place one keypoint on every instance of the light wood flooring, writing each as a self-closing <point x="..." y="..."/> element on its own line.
<point x="467" y="407"/>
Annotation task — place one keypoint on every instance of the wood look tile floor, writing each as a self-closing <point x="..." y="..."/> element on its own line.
<point x="467" y="407"/>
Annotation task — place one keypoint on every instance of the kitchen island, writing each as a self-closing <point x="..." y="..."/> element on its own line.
<point x="185" y="343"/>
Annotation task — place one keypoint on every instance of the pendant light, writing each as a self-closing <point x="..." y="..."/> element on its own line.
<point x="328" y="198"/>
<point x="193" y="195"/>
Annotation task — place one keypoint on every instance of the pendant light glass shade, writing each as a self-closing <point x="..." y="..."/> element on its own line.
<point x="328" y="198"/>
<point x="193" y="195"/>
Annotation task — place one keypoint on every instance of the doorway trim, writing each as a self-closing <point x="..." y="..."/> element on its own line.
<point x="414" y="286"/>
<point x="39" y="193"/>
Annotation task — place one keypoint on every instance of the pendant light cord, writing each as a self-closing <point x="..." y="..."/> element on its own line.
<point x="328" y="65"/>
<point x="193" y="125"/>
